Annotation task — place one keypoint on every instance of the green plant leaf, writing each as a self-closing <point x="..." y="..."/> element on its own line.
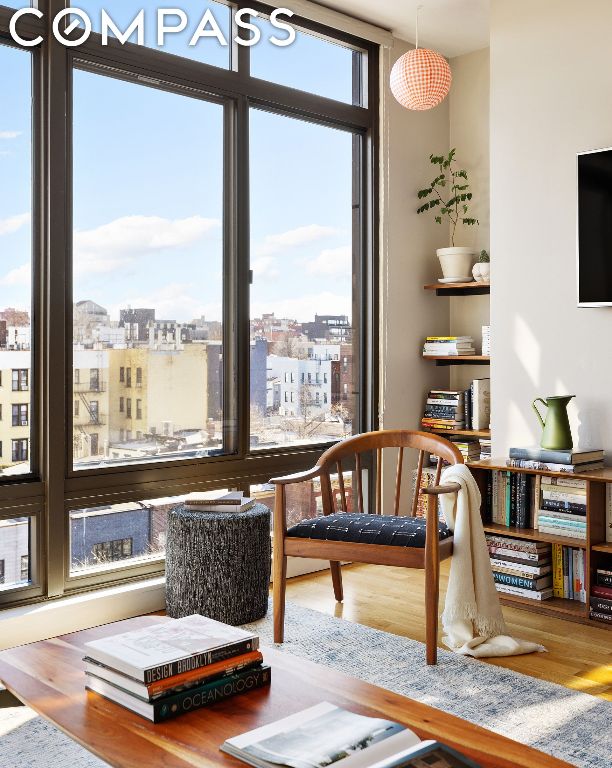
<point x="423" y="193"/>
<point x="439" y="219"/>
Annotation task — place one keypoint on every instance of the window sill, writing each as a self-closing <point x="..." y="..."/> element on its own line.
<point x="41" y="621"/>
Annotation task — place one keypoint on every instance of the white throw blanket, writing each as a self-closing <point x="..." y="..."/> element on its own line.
<point x="472" y="619"/>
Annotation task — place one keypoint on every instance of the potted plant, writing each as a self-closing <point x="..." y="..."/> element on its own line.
<point x="482" y="269"/>
<point x="456" y="261"/>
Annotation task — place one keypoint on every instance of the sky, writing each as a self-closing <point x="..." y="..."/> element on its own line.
<point x="148" y="186"/>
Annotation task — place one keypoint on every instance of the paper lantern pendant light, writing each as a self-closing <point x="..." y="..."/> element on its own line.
<point x="421" y="78"/>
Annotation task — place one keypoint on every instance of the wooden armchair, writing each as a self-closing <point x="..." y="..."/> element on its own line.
<point x="360" y="537"/>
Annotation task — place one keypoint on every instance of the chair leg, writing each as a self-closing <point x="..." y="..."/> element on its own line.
<point x="336" y="573"/>
<point x="278" y="596"/>
<point x="432" y="591"/>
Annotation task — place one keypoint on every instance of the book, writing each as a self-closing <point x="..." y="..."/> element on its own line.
<point x="557" y="531"/>
<point x="608" y="523"/>
<point x="171" y="648"/>
<point x="603" y="578"/>
<point x="566" y="482"/>
<point x="601" y="591"/>
<point x="523" y="545"/>
<point x="562" y="496"/>
<point x="571" y="456"/>
<point x="600" y="616"/>
<point x="554" y="515"/>
<point x="536" y="562"/>
<point x="226" y="502"/>
<point x="557" y="561"/>
<point x="178" y="704"/>
<point x="516" y="569"/>
<point x="524" y="583"/>
<point x="481" y="403"/>
<point x="553" y="505"/>
<point x="530" y="594"/>
<point x="550" y="467"/>
<point x="601" y="604"/>
<point x="325" y="735"/>
<point x="186" y="680"/>
<point x="579" y="524"/>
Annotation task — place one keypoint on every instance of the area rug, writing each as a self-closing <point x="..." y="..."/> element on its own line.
<point x="570" y="725"/>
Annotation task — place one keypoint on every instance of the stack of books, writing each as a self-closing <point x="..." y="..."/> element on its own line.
<point x="218" y="501"/>
<point x="521" y="567"/>
<point x="512" y="499"/>
<point x="486" y="340"/>
<point x="448" y="346"/>
<point x="570" y="461"/>
<point x="485" y="448"/>
<point x="601" y="596"/>
<point x="175" y="666"/>
<point x="562" y="510"/>
<point x="443" y="410"/>
<point x="470" y="449"/>
<point x="569" y="572"/>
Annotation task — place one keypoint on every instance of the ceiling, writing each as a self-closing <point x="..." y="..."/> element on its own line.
<point x="452" y="27"/>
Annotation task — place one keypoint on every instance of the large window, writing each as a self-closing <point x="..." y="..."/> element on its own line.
<point x="187" y="239"/>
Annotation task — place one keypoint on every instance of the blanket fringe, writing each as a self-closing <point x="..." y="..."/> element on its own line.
<point x="484" y="626"/>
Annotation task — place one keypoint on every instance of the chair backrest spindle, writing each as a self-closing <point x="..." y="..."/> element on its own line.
<point x="342" y="488"/>
<point x="398" y="481"/>
<point x="359" y="482"/>
<point x="379" y="481"/>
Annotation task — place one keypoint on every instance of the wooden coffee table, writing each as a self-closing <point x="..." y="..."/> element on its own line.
<point x="48" y="676"/>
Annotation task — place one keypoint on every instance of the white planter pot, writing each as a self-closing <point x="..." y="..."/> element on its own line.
<point x="456" y="262"/>
<point x="482" y="271"/>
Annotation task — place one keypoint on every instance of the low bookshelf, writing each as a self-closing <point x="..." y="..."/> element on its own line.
<point x="598" y="551"/>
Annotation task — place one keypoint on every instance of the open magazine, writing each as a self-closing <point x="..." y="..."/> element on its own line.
<point x="326" y="735"/>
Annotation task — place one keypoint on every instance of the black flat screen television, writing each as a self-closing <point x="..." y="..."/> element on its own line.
<point x="595" y="228"/>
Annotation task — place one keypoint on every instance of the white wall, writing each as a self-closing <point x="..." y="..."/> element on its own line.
<point x="551" y="81"/>
<point x="469" y="134"/>
<point x="408" y="260"/>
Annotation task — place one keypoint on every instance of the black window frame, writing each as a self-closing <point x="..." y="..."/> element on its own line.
<point x="53" y="485"/>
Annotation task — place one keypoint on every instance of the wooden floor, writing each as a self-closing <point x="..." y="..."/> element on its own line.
<point x="391" y="599"/>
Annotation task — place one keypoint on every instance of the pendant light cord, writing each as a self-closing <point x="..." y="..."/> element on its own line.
<point x="418" y="8"/>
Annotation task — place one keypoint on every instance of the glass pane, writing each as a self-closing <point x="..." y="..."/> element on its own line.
<point x="208" y="50"/>
<point x="310" y="63"/>
<point x="303" y="332"/>
<point x="115" y="535"/>
<point x="15" y="260"/>
<point x="148" y="263"/>
<point x="14" y="552"/>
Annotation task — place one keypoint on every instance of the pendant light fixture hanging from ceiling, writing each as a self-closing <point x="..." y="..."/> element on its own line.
<point x="421" y="78"/>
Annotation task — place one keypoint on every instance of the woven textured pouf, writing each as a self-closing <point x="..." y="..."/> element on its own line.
<point x="218" y="564"/>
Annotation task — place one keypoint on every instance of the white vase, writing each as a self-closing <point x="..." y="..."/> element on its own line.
<point x="481" y="271"/>
<point x="456" y="262"/>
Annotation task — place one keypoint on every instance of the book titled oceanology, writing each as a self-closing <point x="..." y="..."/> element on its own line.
<point x="175" y="666"/>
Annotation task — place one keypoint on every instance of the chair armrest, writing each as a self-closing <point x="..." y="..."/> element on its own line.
<point x="297" y="477"/>
<point x="437" y="490"/>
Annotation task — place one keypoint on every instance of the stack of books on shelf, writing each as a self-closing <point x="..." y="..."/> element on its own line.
<point x="477" y="404"/>
<point x="601" y="596"/>
<point x="562" y="510"/>
<point x="448" y="346"/>
<point x="444" y="410"/>
<point x="470" y="449"/>
<point x="511" y="499"/>
<point x="175" y="666"/>
<point x="521" y="567"/>
<point x="485" y="448"/>
<point x="486" y="340"/>
<point x="569" y="572"/>
<point x="570" y="461"/>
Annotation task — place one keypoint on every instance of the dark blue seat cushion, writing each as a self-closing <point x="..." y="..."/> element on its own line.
<point x="367" y="529"/>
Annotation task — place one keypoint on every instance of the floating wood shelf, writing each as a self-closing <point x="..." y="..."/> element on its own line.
<point x="534" y="535"/>
<point x="484" y="433"/>
<point x="459" y="359"/>
<point x="567" y="609"/>
<point x="459" y="289"/>
<point x="605" y="547"/>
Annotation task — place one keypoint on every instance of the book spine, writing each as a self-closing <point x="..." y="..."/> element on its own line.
<point x="602" y="591"/>
<point x="174" y="685"/>
<point x="531" y="594"/>
<point x="516" y="581"/>
<point x="562" y="496"/>
<point x="162" y="671"/>
<point x="598" y="616"/>
<point x="508" y="498"/>
<point x="565" y="572"/>
<point x="501" y="566"/>
<point x="570" y="573"/>
<point x="562" y="522"/>
<point x="523" y="545"/>
<point x="604" y="579"/>
<point x="501" y="551"/>
<point x="557" y="560"/>
<point x="203" y="696"/>
<point x="600" y="604"/>
<point x="567" y="532"/>
<point x="543" y="455"/>
<point x="609" y="512"/>
<point x="565" y="482"/>
<point x="550" y="505"/>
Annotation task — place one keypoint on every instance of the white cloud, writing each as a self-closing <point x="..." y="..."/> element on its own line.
<point x="265" y="266"/>
<point x="13" y="223"/>
<point x="292" y="238"/>
<point x="112" y="245"/>
<point x="19" y="276"/>
<point x="332" y="261"/>
<point x="175" y="301"/>
<point x="9" y="134"/>
<point x="304" y="308"/>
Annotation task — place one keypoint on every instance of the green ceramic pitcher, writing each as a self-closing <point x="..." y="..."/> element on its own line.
<point x="556" y="434"/>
